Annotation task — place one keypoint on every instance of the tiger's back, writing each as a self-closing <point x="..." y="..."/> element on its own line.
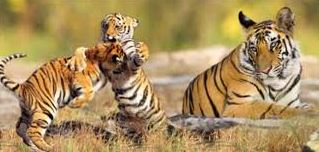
<point x="53" y="81"/>
<point x="56" y="81"/>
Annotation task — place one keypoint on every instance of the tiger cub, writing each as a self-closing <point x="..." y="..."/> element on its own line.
<point x="133" y="91"/>
<point x="54" y="86"/>
<point x="258" y="79"/>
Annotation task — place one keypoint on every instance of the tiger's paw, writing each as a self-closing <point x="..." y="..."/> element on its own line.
<point x="78" y="61"/>
<point x="142" y="50"/>
<point x="142" y="53"/>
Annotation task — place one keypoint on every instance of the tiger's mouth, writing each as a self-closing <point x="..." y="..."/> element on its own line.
<point x="269" y="73"/>
<point x="109" y="38"/>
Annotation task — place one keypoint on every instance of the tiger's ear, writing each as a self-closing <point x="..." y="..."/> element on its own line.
<point x="135" y="22"/>
<point x="286" y="20"/>
<point x="245" y="21"/>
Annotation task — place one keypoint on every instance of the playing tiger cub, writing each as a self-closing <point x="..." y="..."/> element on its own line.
<point x="133" y="91"/>
<point x="258" y="79"/>
<point x="54" y="86"/>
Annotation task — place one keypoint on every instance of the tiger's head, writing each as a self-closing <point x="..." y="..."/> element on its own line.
<point x="117" y="27"/>
<point x="269" y="45"/>
<point x="110" y="55"/>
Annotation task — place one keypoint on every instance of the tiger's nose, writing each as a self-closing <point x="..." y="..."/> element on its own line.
<point x="265" y="70"/>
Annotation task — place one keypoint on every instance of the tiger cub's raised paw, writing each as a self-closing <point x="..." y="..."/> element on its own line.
<point x="142" y="53"/>
<point x="78" y="61"/>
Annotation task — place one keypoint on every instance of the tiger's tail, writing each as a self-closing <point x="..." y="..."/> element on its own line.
<point x="11" y="85"/>
<point x="208" y="124"/>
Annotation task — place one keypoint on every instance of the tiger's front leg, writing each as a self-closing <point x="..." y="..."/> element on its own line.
<point x="261" y="110"/>
<point x="84" y="91"/>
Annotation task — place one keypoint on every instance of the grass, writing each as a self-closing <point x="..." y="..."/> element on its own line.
<point x="287" y="138"/>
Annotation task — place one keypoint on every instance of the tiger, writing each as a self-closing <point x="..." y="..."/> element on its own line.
<point x="54" y="86"/>
<point x="260" y="78"/>
<point x="133" y="91"/>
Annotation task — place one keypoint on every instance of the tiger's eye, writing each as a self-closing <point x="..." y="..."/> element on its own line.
<point x="272" y="45"/>
<point x="118" y="25"/>
<point x="253" y="49"/>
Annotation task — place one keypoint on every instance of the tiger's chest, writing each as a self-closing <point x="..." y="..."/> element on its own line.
<point x="279" y="91"/>
<point x="129" y="90"/>
<point x="284" y="91"/>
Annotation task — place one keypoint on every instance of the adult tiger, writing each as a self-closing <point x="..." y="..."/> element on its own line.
<point x="54" y="86"/>
<point x="260" y="78"/>
<point x="133" y="91"/>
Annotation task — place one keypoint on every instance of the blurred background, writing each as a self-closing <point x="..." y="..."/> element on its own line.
<point x="47" y="29"/>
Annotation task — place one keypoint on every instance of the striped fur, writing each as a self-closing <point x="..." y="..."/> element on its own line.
<point x="13" y="86"/>
<point x="133" y="91"/>
<point x="258" y="79"/>
<point x="54" y="86"/>
<point x="117" y="27"/>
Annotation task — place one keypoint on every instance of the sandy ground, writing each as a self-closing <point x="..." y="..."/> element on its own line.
<point x="169" y="72"/>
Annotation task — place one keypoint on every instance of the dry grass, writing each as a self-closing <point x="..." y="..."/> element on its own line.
<point x="290" y="137"/>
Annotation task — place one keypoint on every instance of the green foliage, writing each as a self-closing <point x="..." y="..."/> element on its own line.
<point x="47" y="29"/>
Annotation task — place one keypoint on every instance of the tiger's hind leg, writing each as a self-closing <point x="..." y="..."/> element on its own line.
<point x="38" y="126"/>
<point x="22" y="125"/>
<point x="21" y="129"/>
<point x="84" y="91"/>
<point x="261" y="109"/>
